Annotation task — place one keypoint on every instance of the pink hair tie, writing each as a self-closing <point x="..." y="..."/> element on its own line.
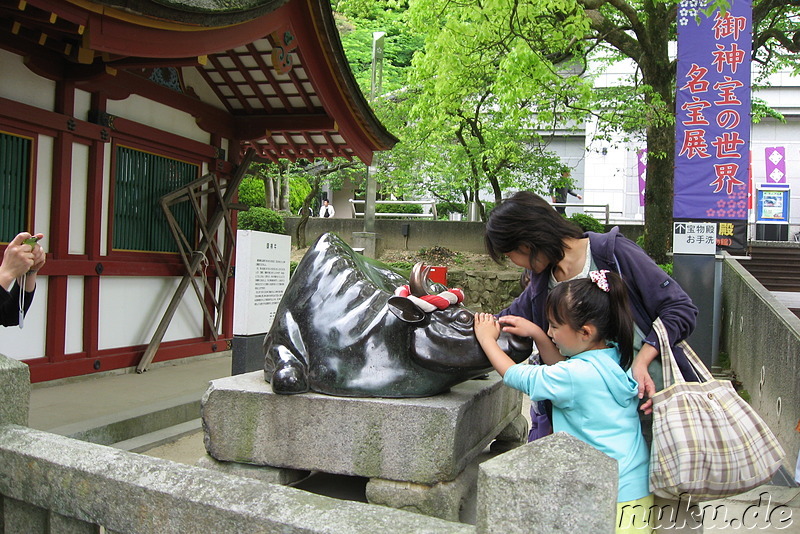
<point x="599" y="278"/>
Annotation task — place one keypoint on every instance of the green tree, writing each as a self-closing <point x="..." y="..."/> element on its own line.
<point x="525" y="59"/>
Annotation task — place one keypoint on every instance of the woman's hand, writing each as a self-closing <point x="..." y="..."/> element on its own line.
<point x="18" y="259"/>
<point x="642" y="376"/>
<point x="38" y="255"/>
<point x="39" y="259"/>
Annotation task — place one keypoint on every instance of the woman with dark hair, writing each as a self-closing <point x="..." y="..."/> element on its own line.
<point x="527" y="230"/>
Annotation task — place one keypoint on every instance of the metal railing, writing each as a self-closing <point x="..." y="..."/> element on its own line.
<point x="432" y="215"/>
<point x="604" y="208"/>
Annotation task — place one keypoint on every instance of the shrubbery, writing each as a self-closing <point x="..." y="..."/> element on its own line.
<point x="398" y="208"/>
<point x="261" y="220"/>
<point x="299" y="189"/>
<point x="587" y="223"/>
<point x="444" y="209"/>
<point x="251" y="192"/>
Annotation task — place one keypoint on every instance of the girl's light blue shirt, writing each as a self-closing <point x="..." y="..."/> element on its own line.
<point x="595" y="401"/>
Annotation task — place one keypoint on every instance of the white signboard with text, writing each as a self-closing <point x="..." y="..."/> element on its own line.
<point x="694" y="238"/>
<point x="262" y="274"/>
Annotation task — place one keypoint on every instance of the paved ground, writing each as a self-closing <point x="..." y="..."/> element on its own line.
<point x="61" y="404"/>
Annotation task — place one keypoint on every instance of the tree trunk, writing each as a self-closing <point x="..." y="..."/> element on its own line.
<point x="659" y="73"/>
<point x="300" y="231"/>
<point x="658" y="192"/>
<point x="269" y="192"/>
<point x="284" y="203"/>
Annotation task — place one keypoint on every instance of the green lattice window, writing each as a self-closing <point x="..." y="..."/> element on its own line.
<point x="141" y="180"/>
<point x="15" y="169"/>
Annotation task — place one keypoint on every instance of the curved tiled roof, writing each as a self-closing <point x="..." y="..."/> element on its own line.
<point x="280" y="79"/>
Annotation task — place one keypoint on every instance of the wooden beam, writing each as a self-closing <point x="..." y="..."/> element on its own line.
<point x="260" y="126"/>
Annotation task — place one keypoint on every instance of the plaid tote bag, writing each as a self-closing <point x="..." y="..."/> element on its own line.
<point x="708" y="443"/>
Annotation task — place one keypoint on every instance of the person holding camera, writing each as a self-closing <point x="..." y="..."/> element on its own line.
<point x="22" y="259"/>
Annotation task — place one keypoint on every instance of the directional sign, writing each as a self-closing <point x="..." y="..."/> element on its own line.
<point x="694" y="238"/>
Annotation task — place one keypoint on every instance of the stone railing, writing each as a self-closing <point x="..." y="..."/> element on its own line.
<point x="55" y="484"/>
<point x="762" y="338"/>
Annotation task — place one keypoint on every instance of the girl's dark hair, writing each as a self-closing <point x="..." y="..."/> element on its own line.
<point x="527" y="219"/>
<point x="581" y="301"/>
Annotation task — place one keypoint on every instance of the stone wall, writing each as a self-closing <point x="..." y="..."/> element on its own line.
<point x="51" y="483"/>
<point x="455" y="235"/>
<point x="762" y="338"/>
<point x="488" y="291"/>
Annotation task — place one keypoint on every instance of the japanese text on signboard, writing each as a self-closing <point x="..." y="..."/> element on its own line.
<point x="713" y="112"/>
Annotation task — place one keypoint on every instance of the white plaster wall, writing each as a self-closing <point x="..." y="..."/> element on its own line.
<point x="28" y="342"/>
<point x="104" y="216"/>
<point x="20" y="84"/>
<point x="77" y="200"/>
<point x="159" y="116"/>
<point x="83" y="104"/>
<point x="73" y="342"/>
<point x="44" y="189"/>
<point x="131" y="309"/>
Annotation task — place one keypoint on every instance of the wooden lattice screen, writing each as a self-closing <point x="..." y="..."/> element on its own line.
<point x="212" y="247"/>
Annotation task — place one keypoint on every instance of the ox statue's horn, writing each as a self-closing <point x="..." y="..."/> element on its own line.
<point x="416" y="283"/>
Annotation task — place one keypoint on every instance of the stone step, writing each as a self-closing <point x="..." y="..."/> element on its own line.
<point x="150" y="440"/>
<point x="137" y="421"/>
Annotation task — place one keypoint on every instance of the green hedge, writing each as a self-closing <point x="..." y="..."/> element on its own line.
<point x="251" y="192"/>
<point x="262" y="220"/>
<point x="587" y="223"/>
<point x="398" y="208"/>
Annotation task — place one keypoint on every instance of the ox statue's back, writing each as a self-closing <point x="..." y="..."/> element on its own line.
<point x="340" y="330"/>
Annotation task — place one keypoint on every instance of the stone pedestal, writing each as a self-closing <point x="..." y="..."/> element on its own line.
<point x="413" y="450"/>
<point x="247" y="353"/>
<point x="370" y="242"/>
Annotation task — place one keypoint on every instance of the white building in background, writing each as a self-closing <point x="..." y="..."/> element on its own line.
<point x="607" y="172"/>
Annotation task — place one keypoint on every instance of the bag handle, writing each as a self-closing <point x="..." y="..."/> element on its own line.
<point x="670" y="365"/>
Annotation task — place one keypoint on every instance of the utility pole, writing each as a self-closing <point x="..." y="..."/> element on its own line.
<point x="368" y="239"/>
<point x="376" y="81"/>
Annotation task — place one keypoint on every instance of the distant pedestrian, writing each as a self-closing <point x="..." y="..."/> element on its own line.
<point x="326" y="210"/>
<point x="559" y="194"/>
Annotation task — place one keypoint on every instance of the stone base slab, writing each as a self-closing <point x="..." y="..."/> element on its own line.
<point x="425" y="441"/>
<point x="443" y="500"/>
<point x="264" y="473"/>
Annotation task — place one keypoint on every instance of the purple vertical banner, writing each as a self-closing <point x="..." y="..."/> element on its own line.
<point x="641" y="158"/>
<point x="712" y="129"/>
<point x="775" y="158"/>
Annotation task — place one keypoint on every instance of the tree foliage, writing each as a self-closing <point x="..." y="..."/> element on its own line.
<point x="494" y="77"/>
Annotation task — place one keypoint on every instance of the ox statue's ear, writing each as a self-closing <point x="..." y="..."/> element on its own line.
<point x="405" y="310"/>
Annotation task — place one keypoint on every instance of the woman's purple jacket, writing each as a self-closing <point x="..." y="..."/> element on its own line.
<point x="652" y="293"/>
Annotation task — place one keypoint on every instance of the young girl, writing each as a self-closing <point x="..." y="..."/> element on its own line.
<point x="594" y="396"/>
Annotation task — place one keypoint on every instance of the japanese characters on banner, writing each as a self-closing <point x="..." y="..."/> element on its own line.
<point x="712" y="131"/>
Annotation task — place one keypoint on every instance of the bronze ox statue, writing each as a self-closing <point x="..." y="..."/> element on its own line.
<point x="340" y="330"/>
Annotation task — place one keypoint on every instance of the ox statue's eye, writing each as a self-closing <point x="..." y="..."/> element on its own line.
<point x="464" y="317"/>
